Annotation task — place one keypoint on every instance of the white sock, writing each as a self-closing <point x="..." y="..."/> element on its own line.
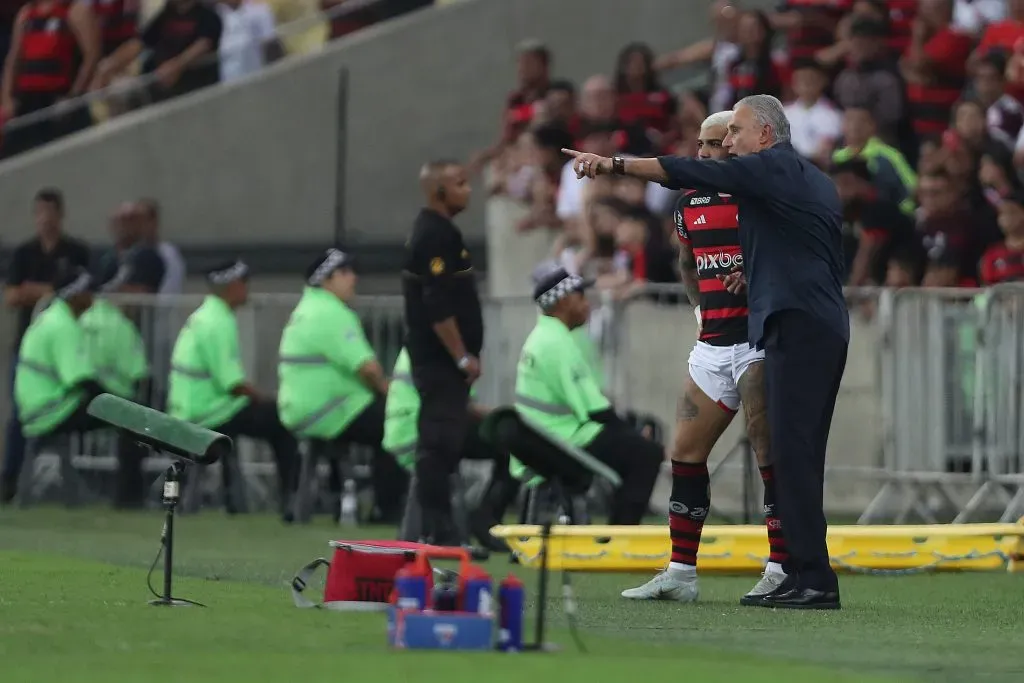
<point x="774" y="568"/>
<point x="680" y="568"/>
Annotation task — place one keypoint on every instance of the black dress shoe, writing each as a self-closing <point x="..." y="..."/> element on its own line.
<point x="802" y="598"/>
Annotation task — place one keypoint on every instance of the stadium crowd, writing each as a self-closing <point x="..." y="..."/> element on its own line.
<point x="53" y="51"/>
<point x="914" y="107"/>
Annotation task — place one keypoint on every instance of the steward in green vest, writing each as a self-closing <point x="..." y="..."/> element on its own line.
<point x="54" y="380"/>
<point x="118" y="356"/>
<point x="401" y="435"/>
<point x="892" y="175"/>
<point x="557" y="391"/>
<point x="330" y="386"/>
<point x="208" y="386"/>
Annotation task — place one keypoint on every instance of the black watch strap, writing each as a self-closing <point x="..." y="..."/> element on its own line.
<point x="618" y="166"/>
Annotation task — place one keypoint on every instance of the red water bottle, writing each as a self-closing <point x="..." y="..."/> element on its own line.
<point x="512" y="599"/>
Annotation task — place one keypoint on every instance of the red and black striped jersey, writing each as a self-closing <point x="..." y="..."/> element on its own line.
<point x="1000" y="264"/>
<point x="708" y="222"/>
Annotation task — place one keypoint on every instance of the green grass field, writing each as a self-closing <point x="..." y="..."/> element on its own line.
<point x="73" y="607"/>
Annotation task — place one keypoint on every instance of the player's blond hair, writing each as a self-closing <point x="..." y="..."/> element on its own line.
<point x="720" y="118"/>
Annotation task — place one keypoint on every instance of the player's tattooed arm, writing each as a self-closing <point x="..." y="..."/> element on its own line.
<point x="688" y="273"/>
<point x="755" y="409"/>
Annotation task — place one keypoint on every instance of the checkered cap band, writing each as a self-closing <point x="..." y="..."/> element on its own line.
<point x="333" y="259"/>
<point x="236" y="272"/>
<point x="563" y="288"/>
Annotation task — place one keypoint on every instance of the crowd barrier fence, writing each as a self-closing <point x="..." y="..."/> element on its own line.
<point x="929" y="423"/>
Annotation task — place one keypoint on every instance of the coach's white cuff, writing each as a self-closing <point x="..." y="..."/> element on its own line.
<point x="696" y="314"/>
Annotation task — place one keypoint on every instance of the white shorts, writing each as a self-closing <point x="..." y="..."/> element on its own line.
<point x="716" y="370"/>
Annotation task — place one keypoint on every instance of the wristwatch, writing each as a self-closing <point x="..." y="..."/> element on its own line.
<point x="618" y="166"/>
<point x="464" y="362"/>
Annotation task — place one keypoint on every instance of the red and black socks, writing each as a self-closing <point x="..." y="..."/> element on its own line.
<point x="777" y="553"/>
<point x="687" y="510"/>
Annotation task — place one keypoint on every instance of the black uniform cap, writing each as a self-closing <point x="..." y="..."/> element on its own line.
<point x="227" y="272"/>
<point x="325" y="264"/>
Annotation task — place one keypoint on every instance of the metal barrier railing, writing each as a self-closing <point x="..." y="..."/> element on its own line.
<point x="930" y="422"/>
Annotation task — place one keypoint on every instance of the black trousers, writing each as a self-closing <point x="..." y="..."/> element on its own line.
<point x="259" y="420"/>
<point x="443" y="424"/>
<point x="804" y="363"/>
<point x="389" y="479"/>
<point x="637" y="460"/>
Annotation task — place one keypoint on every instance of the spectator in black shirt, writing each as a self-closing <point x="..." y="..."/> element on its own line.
<point x="444" y="325"/>
<point x="34" y="266"/>
<point x="874" y="226"/>
<point x="183" y="39"/>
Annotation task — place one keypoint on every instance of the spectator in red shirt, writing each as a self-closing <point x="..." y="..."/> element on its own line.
<point x="54" y="51"/>
<point x="533" y="75"/>
<point x="642" y="101"/>
<point x="598" y="111"/>
<point x="810" y="25"/>
<point x="934" y="66"/>
<point x="835" y="55"/>
<point x="1004" y="114"/>
<point x="1004" y="262"/>
<point x="1006" y="37"/>
<point x="901" y="23"/>
<point x="947" y="229"/>
<point x="873" y="226"/>
<point x="755" y="70"/>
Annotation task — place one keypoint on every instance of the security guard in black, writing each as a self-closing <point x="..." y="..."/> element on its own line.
<point x="444" y="327"/>
<point x="438" y="283"/>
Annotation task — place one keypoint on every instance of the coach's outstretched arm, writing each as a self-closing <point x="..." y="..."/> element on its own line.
<point x="745" y="176"/>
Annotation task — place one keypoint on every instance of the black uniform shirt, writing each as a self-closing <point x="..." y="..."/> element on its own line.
<point x="31" y="264"/>
<point x="438" y="283"/>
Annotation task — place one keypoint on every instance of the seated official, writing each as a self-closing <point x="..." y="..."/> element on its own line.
<point x="118" y="357"/>
<point x="401" y="436"/>
<point x="54" y="380"/>
<point x="207" y="382"/>
<point x="331" y="386"/>
<point x="556" y="390"/>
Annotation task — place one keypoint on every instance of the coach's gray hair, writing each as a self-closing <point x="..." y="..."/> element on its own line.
<point x="720" y="118"/>
<point x="768" y="111"/>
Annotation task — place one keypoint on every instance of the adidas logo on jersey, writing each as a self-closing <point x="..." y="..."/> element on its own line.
<point x="701" y="220"/>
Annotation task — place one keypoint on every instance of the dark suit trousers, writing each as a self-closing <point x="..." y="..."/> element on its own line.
<point x="804" y="363"/>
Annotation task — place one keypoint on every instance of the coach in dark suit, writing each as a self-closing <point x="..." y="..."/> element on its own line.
<point x="790" y="218"/>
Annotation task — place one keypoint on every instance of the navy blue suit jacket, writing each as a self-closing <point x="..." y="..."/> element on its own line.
<point x="790" y="231"/>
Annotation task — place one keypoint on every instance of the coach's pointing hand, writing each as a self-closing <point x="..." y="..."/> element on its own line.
<point x="735" y="282"/>
<point x="588" y="165"/>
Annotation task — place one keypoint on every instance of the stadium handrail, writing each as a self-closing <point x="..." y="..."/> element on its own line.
<point x="142" y="81"/>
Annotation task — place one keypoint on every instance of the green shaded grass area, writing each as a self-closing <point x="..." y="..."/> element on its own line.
<point x="73" y="604"/>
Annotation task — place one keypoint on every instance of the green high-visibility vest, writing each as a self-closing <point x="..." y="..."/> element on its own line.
<point x="322" y="349"/>
<point x="206" y="365"/>
<point x="115" y="348"/>
<point x="556" y="387"/>
<point x="52" y="363"/>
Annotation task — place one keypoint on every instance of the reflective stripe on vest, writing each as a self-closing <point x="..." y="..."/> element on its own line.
<point x="49" y="51"/>
<point x="541" y="406"/>
<point x="39" y="368"/>
<point x="190" y="372"/>
<point x="306" y="360"/>
<point x="402" y="377"/>
<point x="319" y="414"/>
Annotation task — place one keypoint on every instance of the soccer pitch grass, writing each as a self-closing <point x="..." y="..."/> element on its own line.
<point x="73" y="607"/>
